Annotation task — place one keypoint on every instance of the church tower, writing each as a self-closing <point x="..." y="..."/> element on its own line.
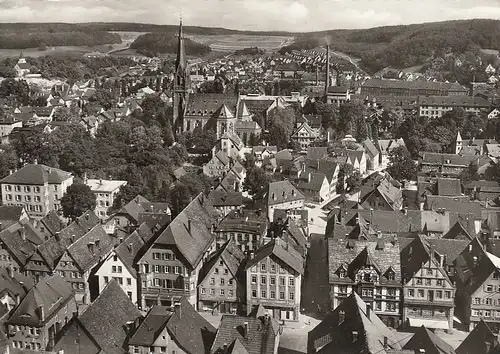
<point x="180" y="87"/>
<point x="458" y="144"/>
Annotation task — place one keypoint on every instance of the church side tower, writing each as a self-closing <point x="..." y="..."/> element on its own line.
<point x="180" y="86"/>
<point x="458" y="144"/>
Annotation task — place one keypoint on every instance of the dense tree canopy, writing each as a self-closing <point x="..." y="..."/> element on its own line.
<point x="167" y="42"/>
<point x="401" y="166"/>
<point x="281" y="125"/>
<point x="78" y="199"/>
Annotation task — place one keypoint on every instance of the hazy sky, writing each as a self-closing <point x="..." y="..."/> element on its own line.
<point x="289" y="15"/>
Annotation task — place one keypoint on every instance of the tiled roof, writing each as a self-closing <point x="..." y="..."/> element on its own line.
<point x="449" y="187"/>
<point x="51" y="292"/>
<point x="430" y="342"/>
<point x="230" y="254"/>
<point x="9" y="214"/>
<point x="88" y="250"/>
<point x="36" y="174"/>
<point x="435" y="202"/>
<point x="210" y="103"/>
<point x="385" y="146"/>
<point x="134" y="207"/>
<point x="130" y="250"/>
<point x="106" y="317"/>
<point x="243" y="222"/>
<point x="14" y="283"/>
<point x="282" y="192"/>
<point x="52" y="222"/>
<point x="190" y="231"/>
<point x="155" y="321"/>
<point x="370" y="148"/>
<point x="190" y="331"/>
<point x="476" y="341"/>
<point x="335" y="332"/>
<point x="353" y="254"/>
<point x="258" y="338"/>
<point x="455" y="101"/>
<point x="416" y="85"/>
<point x="221" y="198"/>
<point x="282" y="251"/>
<point x="316" y="152"/>
<point x="21" y="241"/>
<point x="457" y="232"/>
<point x="435" y="158"/>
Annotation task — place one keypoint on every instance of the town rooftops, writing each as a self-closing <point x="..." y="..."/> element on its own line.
<point x="416" y="85"/>
<point x="280" y="249"/>
<point x="203" y="104"/>
<point x="449" y="187"/>
<point x="14" y="283"/>
<point x="282" y="192"/>
<point x="427" y="340"/>
<point x="42" y="302"/>
<point x="230" y="254"/>
<point x="20" y="240"/>
<point x="222" y="198"/>
<point x="480" y="340"/>
<point x="107" y="317"/>
<point x="458" y="101"/>
<point x="106" y="186"/>
<point x="237" y="221"/>
<point x="36" y="174"/>
<point x="190" y="231"/>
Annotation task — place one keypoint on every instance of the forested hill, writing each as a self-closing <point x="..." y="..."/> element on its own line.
<point x="161" y="42"/>
<point x="33" y="35"/>
<point x="405" y="46"/>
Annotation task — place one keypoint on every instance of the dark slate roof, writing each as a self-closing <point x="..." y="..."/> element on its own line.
<point x="456" y="205"/>
<point x="78" y="228"/>
<point x="152" y="326"/>
<point x="52" y="222"/>
<point x="335" y="334"/>
<point x="37" y="174"/>
<point x="382" y="253"/>
<point x="260" y="338"/>
<point x="425" y="339"/>
<point x="106" y="317"/>
<point x="222" y="198"/>
<point x="51" y="292"/>
<point x="14" y="283"/>
<point x="449" y="187"/>
<point x="415" y="85"/>
<point x="237" y="221"/>
<point x="283" y="191"/>
<point x="9" y="214"/>
<point x="190" y="331"/>
<point x="210" y="103"/>
<point x="316" y="152"/>
<point x="230" y="254"/>
<point x="370" y="148"/>
<point x="130" y="250"/>
<point x="282" y="251"/>
<point x="457" y="232"/>
<point x="134" y="207"/>
<point x="81" y="253"/>
<point x="191" y="243"/>
<point x="476" y="341"/>
<point x="435" y="158"/>
<point x="21" y="247"/>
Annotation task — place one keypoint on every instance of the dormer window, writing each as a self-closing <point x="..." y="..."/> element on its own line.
<point x="390" y="275"/>
<point x="342" y="272"/>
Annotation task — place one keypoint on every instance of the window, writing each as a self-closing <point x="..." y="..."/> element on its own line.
<point x="37" y="198"/>
<point x="489" y="288"/>
<point x="231" y="293"/>
<point x="212" y="291"/>
<point x="263" y="279"/>
<point x="439" y="294"/>
<point x="291" y="282"/>
<point x="216" y="270"/>
<point x="106" y="280"/>
<point x="177" y="270"/>
<point x="440" y="282"/>
<point x="429" y="271"/>
<point x="163" y="349"/>
<point x="291" y="295"/>
<point x="273" y="281"/>
<point x="263" y="267"/>
<point x="113" y="269"/>
<point x="447" y="294"/>
<point x="212" y="281"/>
<point x="8" y="188"/>
<point x="17" y="188"/>
<point x="427" y="282"/>
<point x="477" y="301"/>
<point x="231" y="281"/>
<point x="226" y="272"/>
<point x="487" y="313"/>
<point x="282" y="295"/>
<point x="254" y="293"/>
<point x="496" y="276"/>
<point x="488" y="301"/>
<point x="343" y="289"/>
<point x="222" y="292"/>
<point x="222" y="281"/>
<point x="129" y="281"/>
<point x="203" y="291"/>
<point x="254" y="279"/>
<point x="119" y="269"/>
<point x="420" y="293"/>
<point x="419" y="281"/>
<point x="263" y="294"/>
<point x="411" y="292"/>
<point x="273" y="294"/>
<point x="391" y="306"/>
<point x="282" y="281"/>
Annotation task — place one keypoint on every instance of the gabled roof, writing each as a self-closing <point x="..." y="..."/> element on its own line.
<point x="281" y="192"/>
<point x="88" y="250"/>
<point x="230" y="254"/>
<point x="52" y="222"/>
<point x="151" y="327"/>
<point x="480" y="340"/>
<point x="425" y="339"/>
<point x="51" y="292"/>
<point x="190" y="231"/>
<point x="129" y="250"/>
<point x="222" y="198"/>
<point x="370" y="148"/>
<point x="457" y="232"/>
<point x="106" y="317"/>
<point x="21" y="241"/>
<point x="449" y="187"/>
<point x="335" y="332"/>
<point x="36" y="174"/>
<point x="14" y="283"/>
<point x="385" y="146"/>
<point x="283" y="252"/>
<point x="9" y="214"/>
<point x="259" y="338"/>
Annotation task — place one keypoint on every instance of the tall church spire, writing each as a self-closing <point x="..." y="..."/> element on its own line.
<point x="327" y="78"/>
<point x="181" y="52"/>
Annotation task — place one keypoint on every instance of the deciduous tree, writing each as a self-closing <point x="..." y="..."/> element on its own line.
<point x="77" y="200"/>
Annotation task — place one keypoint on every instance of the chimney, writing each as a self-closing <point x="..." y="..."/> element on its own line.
<point x="57" y="236"/>
<point x="10" y="270"/>
<point x="35" y="162"/>
<point x="317" y="75"/>
<point x="10" y="172"/>
<point x="368" y="310"/>
<point x="245" y="330"/>
<point x="354" y="336"/>
<point x="178" y="309"/>
<point x="225" y="348"/>
<point x="252" y="255"/>
<point x="85" y="180"/>
<point x="441" y="260"/>
<point x="421" y="351"/>
<point x="405" y="210"/>
<point x="97" y="243"/>
<point x="23" y="233"/>
<point x="129" y="246"/>
<point x="189" y="225"/>
<point x="309" y="177"/>
<point x="18" y="299"/>
<point x="386" y="343"/>
<point x="42" y="313"/>
<point x="90" y="246"/>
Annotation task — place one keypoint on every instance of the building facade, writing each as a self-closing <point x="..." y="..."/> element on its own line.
<point x="105" y="192"/>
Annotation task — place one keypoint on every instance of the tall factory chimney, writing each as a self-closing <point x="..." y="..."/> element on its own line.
<point x="327" y="77"/>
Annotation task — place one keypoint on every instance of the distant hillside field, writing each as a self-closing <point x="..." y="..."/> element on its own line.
<point x="34" y="35"/>
<point x="231" y="43"/>
<point x="160" y="42"/>
<point x="405" y="46"/>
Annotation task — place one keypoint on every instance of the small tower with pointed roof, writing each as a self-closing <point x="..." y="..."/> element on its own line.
<point x="180" y="85"/>
<point x="458" y="144"/>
